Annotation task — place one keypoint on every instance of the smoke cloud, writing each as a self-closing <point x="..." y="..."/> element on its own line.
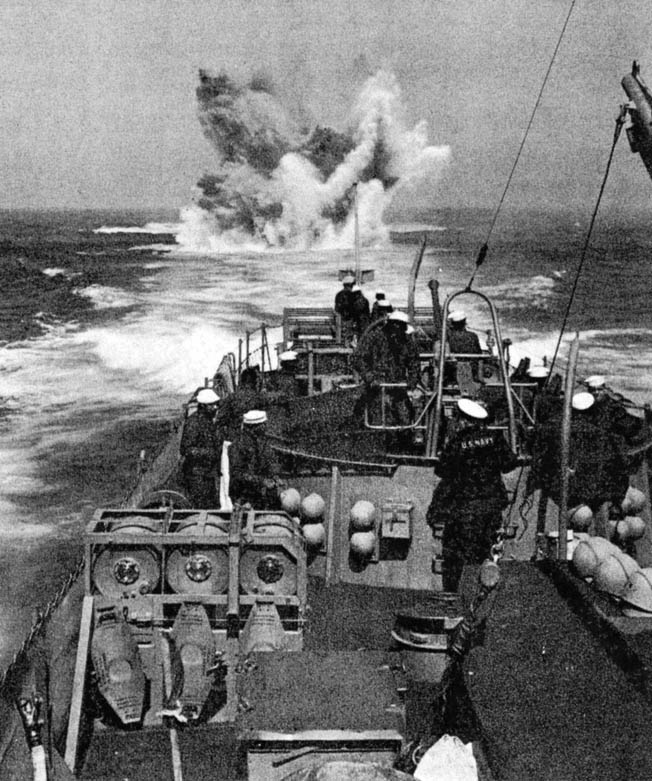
<point x="277" y="184"/>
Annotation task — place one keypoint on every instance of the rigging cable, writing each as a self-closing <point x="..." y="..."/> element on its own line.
<point x="485" y="247"/>
<point x="620" y="121"/>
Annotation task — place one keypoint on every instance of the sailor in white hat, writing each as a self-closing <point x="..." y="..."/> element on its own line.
<point x="386" y="354"/>
<point x="599" y="436"/>
<point x="610" y="410"/>
<point x="461" y="342"/>
<point x="254" y="467"/>
<point x="541" y="400"/>
<point x="459" y="339"/>
<point x="360" y="311"/>
<point x="381" y="309"/>
<point x="375" y="314"/>
<point x="470" y="498"/>
<point x="200" y="451"/>
<point x="287" y="383"/>
<point x="344" y="307"/>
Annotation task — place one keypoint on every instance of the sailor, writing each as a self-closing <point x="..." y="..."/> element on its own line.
<point x="380" y="296"/>
<point x="461" y="341"/>
<point x="246" y="396"/>
<point x="360" y="311"/>
<point x="599" y="472"/>
<point x="381" y="310"/>
<point x="288" y="385"/>
<point x="253" y="465"/>
<point x="200" y="451"/>
<point x="612" y="413"/>
<point x="344" y="307"/>
<point x="470" y="498"/>
<point x="387" y="354"/>
<point x="544" y="400"/>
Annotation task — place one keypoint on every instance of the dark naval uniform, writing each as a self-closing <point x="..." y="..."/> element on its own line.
<point x="470" y="498"/>
<point x="360" y="312"/>
<point x="466" y="343"/>
<point x="233" y="407"/>
<point x="612" y="415"/>
<point x="379" y="358"/>
<point x="599" y="468"/>
<point x="344" y="308"/>
<point x="201" y="450"/>
<point x="254" y="471"/>
<point x="462" y="341"/>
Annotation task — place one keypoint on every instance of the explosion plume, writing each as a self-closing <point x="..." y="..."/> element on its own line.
<point x="290" y="186"/>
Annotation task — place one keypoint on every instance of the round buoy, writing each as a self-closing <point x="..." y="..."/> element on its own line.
<point x="602" y="547"/>
<point x="636" y="527"/>
<point x="630" y="564"/>
<point x="580" y="517"/>
<point x="362" y="516"/>
<point x="314" y="534"/>
<point x="362" y="544"/>
<point x="638" y="592"/>
<point x="585" y="560"/>
<point x="634" y="501"/>
<point x="611" y="576"/>
<point x="291" y="501"/>
<point x="312" y="508"/>
<point x="621" y="530"/>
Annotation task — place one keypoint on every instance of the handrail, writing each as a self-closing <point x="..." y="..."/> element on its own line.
<point x="263" y="349"/>
<point x="414" y="426"/>
<point x="332" y="460"/>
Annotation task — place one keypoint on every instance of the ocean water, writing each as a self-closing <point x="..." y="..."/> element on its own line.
<point x="107" y="324"/>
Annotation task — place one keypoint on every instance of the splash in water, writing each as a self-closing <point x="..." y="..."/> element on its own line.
<point x="277" y="184"/>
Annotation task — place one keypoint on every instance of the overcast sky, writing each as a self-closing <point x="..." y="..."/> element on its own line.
<point x="98" y="97"/>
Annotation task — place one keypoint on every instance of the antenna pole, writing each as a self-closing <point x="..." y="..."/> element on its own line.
<point x="356" y="223"/>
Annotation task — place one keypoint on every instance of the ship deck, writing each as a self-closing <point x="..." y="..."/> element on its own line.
<point x="560" y="688"/>
<point x="345" y="679"/>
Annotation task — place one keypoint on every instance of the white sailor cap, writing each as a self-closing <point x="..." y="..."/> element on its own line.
<point x="472" y="408"/>
<point x="349" y="279"/>
<point x="537" y="372"/>
<point x="288" y="355"/>
<point x="457" y="315"/>
<point x="207" y="396"/>
<point x="254" y="416"/>
<point x="595" y="381"/>
<point x="582" y="401"/>
<point x="398" y="315"/>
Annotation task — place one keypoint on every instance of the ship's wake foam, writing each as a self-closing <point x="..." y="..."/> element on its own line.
<point x="278" y="184"/>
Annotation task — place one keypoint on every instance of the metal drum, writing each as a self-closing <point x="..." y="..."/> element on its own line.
<point x="266" y="568"/>
<point x="128" y="570"/>
<point x="199" y="568"/>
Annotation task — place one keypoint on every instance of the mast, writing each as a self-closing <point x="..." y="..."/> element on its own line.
<point x="356" y="223"/>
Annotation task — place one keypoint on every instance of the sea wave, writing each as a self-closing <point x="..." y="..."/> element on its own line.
<point x="155" y="228"/>
<point x="105" y="297"/>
